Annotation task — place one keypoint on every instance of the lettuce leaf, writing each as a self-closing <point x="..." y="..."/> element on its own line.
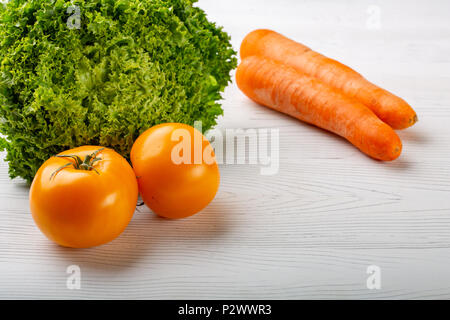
<point x="130" y="65"/>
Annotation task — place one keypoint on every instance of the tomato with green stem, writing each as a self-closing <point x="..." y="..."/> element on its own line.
<point x="84" y="197"/>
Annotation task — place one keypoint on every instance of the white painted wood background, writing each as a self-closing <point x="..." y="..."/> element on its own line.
<point x="310" y="231"/>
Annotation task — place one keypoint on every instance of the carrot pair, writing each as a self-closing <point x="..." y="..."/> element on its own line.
<point x="291" y="78"/>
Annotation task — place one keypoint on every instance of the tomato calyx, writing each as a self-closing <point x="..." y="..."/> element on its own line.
<point x="79" y="164"/>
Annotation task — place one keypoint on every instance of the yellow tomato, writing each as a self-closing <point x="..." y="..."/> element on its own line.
<point x="176" y="170"/>
<point x="84" y="197"/>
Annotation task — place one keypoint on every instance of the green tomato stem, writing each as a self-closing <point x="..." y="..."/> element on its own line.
<point x="79" y="164"/>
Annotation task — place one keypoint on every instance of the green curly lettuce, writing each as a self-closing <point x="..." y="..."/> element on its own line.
<point x="126" y="66"/>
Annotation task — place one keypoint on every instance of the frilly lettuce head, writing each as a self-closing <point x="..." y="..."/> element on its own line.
<point x="100" y="72"/>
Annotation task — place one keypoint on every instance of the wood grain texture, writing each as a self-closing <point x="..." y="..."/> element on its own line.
<point x="309" y="231"/>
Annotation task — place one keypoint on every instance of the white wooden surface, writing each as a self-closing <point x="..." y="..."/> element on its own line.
<point x="310" y="231"/>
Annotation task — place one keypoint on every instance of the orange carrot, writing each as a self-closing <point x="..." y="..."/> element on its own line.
<point x="388" y="107"/>
<point x="284" y="89"/>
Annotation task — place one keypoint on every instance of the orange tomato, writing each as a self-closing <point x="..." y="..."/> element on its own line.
<point x="176" y="170"/>
<point x="85" y="201"/>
